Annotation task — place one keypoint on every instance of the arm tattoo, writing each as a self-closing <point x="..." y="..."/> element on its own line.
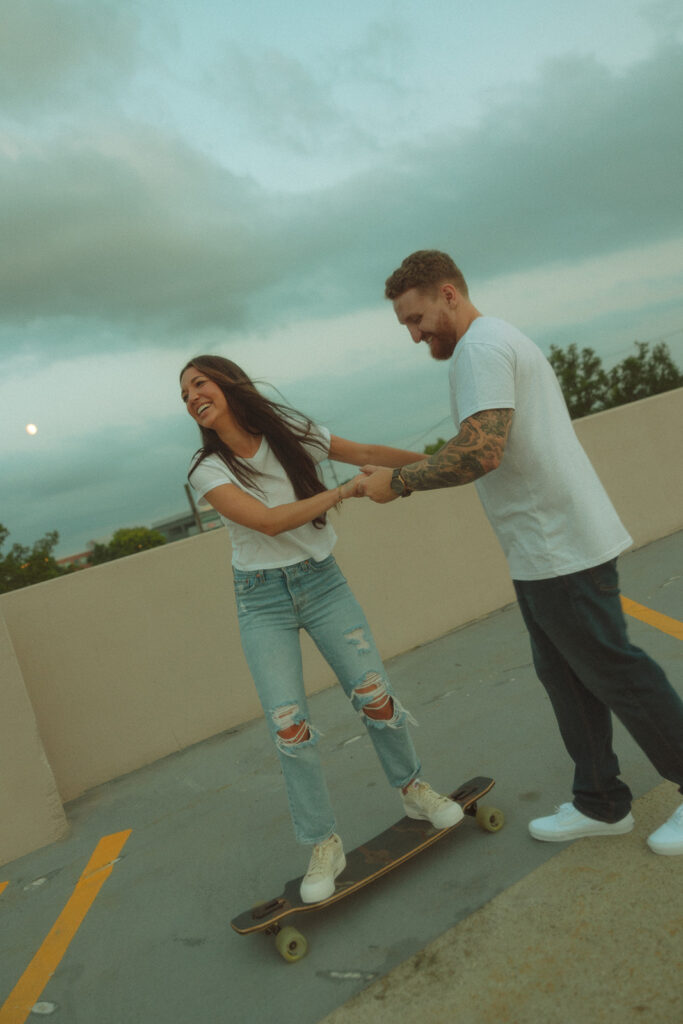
<point x="476" y="450"/>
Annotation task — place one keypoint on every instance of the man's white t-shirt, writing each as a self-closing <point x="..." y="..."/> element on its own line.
<point x="250" y="548"/>
<point x="545" y="502"/>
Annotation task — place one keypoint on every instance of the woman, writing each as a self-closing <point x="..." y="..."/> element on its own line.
<point x="257" y="467"/>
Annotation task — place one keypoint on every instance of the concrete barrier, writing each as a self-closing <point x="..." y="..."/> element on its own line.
<point x="130" y="661"/>
<point x="31" y="812"/>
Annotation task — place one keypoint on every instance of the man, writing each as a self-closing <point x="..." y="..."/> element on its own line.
<point x="560" y="534"/>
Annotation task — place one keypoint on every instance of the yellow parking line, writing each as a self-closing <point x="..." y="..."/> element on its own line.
<point x="3" y="886"/>
<point x="662" y="622"/>
<point x="36" y="976"/>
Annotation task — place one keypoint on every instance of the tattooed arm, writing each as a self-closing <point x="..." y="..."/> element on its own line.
<point x="476" y="450"/>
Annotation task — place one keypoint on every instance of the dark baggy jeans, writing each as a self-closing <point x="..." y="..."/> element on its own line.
<point x="589" y="668"/>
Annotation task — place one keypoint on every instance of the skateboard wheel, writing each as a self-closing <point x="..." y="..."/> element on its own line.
<point x="291" y="945"/>
<point x="490" y="818"/>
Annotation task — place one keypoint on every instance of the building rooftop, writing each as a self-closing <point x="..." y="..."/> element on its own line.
<point x="482" y="928"/>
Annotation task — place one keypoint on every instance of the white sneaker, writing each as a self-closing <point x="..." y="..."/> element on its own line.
<point x="569" y="823"/>
<point x="668" y="839"/>
<point x="327" y="861"/>
<point x="421" y="802"/>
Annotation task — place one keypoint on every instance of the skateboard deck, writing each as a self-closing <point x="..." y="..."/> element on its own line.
<point x="377" y="857"/>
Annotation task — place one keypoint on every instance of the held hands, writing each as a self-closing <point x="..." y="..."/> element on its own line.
<point x="350" y="489"/>
<point x="375" y="483"/>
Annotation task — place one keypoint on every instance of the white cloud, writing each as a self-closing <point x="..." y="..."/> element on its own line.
<point x="312" y="348"/>
<point x="136" y="389"/>
<point x="579" y="292"/>
<point x="71" y="399"/>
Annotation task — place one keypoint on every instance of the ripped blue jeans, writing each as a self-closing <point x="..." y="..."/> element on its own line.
<point x="272" y="606"/>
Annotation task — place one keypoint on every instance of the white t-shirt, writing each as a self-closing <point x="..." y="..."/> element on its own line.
<point x="545" y="502"/>
<point x="250" y="548"/>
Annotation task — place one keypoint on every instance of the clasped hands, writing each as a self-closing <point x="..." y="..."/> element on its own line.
<point x="373" y="482"/>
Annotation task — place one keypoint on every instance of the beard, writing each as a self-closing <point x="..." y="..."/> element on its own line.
<point x="441" y="348"/>
<point x="443" y="340"/>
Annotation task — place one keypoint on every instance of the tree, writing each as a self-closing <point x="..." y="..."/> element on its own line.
<point x="648" y="373"/>
<point x="582" y="379"/>
<point x="588" y="388"/>
<point x="126" y="541"/>
<point x="23" y="566"/>
<point x="430" y="449"/>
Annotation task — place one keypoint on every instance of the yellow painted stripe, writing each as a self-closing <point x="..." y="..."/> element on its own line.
<point x="3" y="886"/>
<point x="36" y="976"/>
<point x="662" y="622"/>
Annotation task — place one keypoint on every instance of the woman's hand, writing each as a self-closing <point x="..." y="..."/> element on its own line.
<point x="376" y="484"/>
<point x="350" y="488"/>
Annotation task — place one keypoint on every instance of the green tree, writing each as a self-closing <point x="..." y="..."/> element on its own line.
<point x="22" y="566"/>
<point x="588" y="388"/>
<point x="126" y="541"/>
<point x="430" y="449"/>
<point x="647" y="373"/>
<point x="583" y="381"/>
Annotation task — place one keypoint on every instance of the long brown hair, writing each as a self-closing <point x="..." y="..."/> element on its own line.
<point x="284" y="429"/>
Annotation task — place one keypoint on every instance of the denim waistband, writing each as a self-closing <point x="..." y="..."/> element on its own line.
<point x="297" y="569"/>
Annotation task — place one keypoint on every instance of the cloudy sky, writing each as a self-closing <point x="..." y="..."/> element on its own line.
<point x="180" y="177"/>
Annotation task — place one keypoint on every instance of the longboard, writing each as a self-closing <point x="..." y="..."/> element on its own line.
<point x="397" y="844"/>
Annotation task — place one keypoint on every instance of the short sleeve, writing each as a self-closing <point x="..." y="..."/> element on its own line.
<point x="484" y="378"/>
<point x="210" y="473"/>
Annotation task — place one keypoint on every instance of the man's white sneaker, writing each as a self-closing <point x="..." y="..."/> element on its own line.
<point x="327" y="861"/>
<point x="421" y="802"/>
<point x="668" y="839"/>
<point x="569" y="823"/>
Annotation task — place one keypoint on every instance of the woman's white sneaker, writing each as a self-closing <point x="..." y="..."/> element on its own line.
<point x="421" y="802"/>
<point x="327" y="861"/>
<point x="570" y="823"/>
<point x="668" y="839"/>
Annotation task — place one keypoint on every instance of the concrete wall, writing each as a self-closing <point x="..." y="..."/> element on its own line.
<point x="31" y="812"/>
<point x="129" y="661"/>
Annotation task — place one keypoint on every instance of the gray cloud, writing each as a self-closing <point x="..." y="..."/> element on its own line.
<point x="276" y="97"/>
<point x="664" y="18"/>
<point x="582" y="163"/>
<point x="52" y="51"/>
<point x="134" y="475"/>
<point x="338" y="105"/>
<point x="93" y="485"/>
<point x="118" y="234"/>
<point x="134" y="228"/>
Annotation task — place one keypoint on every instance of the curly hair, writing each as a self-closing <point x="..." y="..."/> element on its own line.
<point x="424" y="269"/>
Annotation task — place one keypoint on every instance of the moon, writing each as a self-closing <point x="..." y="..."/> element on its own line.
<point x="31" y="428"/>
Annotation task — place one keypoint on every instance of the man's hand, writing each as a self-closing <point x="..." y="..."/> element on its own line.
<point x="377" y="484"/>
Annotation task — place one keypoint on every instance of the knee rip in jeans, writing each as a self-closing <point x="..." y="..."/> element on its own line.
<point x="292" y="729"/>
<point x="380" y="707"/>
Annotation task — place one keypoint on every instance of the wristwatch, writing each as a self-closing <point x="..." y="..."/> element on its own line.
<point x="398" y="484"/>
